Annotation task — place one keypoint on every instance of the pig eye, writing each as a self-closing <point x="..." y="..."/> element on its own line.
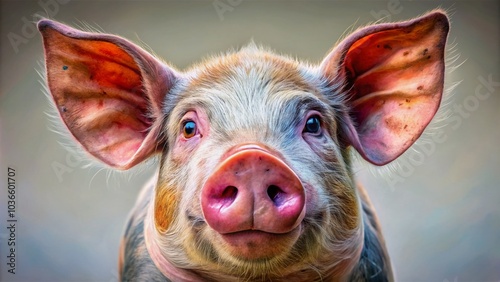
<point x="189" y="129"/>
<point x="313" y="125"/>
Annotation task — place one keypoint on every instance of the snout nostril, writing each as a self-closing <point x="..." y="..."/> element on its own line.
<point x="276" y="194"/>
<point x="229" y="194"/>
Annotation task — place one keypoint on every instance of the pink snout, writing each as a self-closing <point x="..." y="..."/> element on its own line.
<point x="253" y="190"/>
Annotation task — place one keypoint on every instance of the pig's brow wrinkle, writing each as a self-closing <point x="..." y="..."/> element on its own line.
<point x="302" y="104"/>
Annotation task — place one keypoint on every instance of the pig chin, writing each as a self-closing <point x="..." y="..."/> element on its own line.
<point x="256" y="245"/>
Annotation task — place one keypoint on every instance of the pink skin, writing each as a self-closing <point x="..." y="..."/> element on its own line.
<point x="252" y="196"/>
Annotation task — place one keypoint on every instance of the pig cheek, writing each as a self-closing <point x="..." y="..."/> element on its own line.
<point x="184" y="148"/>
<point x="315" y="142"/>
<point x="321" y="152"/>
<point x="324" y="147"/>
<point x="312" y="199"/>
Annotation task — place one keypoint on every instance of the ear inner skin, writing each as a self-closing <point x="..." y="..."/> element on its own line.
<point x="393" y="75"/>
<point x="108" y="91"/>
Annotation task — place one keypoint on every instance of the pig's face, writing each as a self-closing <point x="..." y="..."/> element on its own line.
<point x="256" y="167"/>
<point x="255" y="178"/>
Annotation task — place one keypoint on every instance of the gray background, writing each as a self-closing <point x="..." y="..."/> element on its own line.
<point x="439" y="207"/>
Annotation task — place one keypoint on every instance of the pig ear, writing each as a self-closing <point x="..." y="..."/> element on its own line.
<point x="108" y="91"/>
<point x="393" y="76"/>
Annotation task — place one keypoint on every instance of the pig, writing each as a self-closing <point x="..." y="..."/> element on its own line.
<point x="255" y="149"/>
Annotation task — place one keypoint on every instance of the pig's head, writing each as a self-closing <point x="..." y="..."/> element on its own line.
<point x="255" y="178"/>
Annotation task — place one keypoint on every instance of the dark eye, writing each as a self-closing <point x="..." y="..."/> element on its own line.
<point x="313" y="125"/>
<point x="189" y="129"/>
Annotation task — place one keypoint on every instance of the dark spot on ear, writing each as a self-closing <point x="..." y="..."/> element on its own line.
<point x="65" y="67"/>
<point x="400" y="104"/>
<point x="406" y="53"/>
<point x="420" y="87"/>
<point x="425" y="51"/>
<point x="406" y="125"/>
<point x="408" y="100"/>
<point x="428" y="57"/>
<point x="63" y="108"/>
<point x="387" y="46"/>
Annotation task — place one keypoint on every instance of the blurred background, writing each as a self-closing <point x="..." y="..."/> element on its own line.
<point x="439" y="204"/>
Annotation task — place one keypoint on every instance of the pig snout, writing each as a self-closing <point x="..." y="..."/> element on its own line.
<point x="252" y="189"/>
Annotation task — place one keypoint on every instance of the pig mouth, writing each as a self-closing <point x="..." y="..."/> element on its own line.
<point x="259" y="245"/>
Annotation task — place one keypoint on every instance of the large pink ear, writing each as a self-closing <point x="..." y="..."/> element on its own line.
<point x="109" y="92"/>
<point x="393" y="75"/>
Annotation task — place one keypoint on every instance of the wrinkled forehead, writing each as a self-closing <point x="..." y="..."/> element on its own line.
<point x="252" y="85"/>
